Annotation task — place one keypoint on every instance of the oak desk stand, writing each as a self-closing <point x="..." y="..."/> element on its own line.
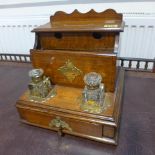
<point x="81" y="43"/>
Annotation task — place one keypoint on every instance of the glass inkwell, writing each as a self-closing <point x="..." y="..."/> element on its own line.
<point x="40" y="87"/>
<point x="93" y="93"/>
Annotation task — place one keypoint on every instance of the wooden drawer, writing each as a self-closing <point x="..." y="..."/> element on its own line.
<point x="93" y="41"/>
<point x="75" y="126"/>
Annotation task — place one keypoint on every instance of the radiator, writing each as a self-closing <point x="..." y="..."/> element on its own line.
<point x="16" y="38"/>
<point x="137" y="40"/>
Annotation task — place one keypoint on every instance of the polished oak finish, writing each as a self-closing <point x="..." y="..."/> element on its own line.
<point x="89" y="20"/>
<point x="108" y="20"/>
<point x="67" y="48"/>
<point x="100" y="127"/>
<point x="92" y="41"/>
<point x="51" y="60"/>
<point x="77" y="31"/>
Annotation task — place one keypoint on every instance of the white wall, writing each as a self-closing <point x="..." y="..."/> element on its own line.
<point x="26" y="18"/>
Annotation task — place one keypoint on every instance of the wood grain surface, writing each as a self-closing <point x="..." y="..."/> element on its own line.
<point x="80" y="31"/>
<point x="65" y="106"/>
<point x="89" y="21"/>
<point x="136" y="131"/>
<point x="69" y="98"/>
<point x="51" y="60"/>
<point x="92" y="41"/>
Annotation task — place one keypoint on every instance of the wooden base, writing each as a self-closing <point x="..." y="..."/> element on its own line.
<point x="64" y="110"/>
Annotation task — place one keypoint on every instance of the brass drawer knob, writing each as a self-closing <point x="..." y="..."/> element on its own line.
<point x="58" y="123"/>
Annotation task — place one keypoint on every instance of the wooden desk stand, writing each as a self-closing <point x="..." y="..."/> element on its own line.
<point x="80" y="43"/>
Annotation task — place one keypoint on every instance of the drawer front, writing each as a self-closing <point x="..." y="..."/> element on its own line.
<point x="98" y="41"/>
<point x="57" y="122"/>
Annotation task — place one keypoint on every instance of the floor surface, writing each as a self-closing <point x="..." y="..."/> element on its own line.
<point x="137" y="130"/>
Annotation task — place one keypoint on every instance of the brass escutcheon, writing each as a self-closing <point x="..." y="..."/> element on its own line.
<point x="70" y="71"/>
<point x="58" y="123"/>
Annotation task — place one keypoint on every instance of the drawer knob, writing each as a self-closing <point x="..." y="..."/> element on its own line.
<point x="58" y="123"/>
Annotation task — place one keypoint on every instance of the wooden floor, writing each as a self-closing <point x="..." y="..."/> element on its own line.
<point x="137" y="131"/>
